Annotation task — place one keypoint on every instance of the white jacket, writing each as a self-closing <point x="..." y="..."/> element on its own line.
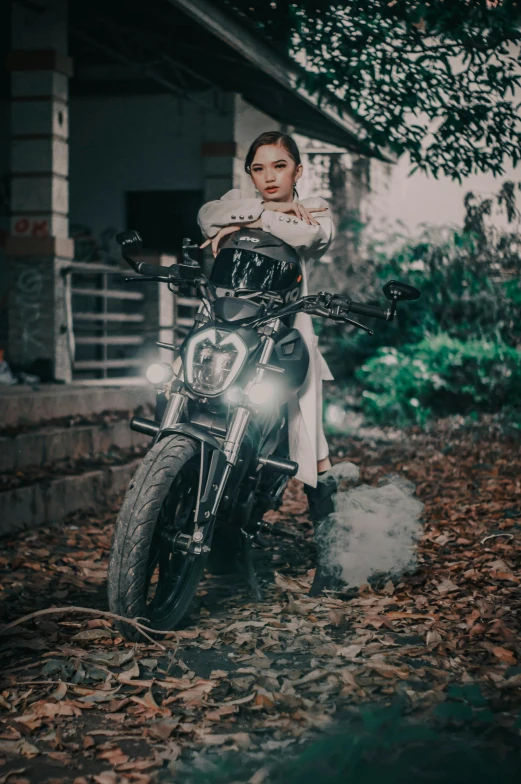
<point x="307" y="443"/>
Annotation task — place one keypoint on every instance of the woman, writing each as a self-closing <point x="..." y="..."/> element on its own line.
<point x="274" y="164"/>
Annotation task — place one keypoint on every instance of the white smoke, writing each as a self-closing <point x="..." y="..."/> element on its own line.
<point x="373" y="531"/>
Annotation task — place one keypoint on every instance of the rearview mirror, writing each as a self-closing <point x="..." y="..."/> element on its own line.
<point x="130" y="241"/>
<point x="396" y="290"/>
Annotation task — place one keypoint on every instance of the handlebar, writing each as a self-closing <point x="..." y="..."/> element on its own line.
<point x="153" y="270"/>
<point x="331" y="306"/>
<point x="371" y="310"/>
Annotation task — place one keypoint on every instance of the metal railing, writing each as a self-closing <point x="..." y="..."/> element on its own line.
<point x="113" y="329"/>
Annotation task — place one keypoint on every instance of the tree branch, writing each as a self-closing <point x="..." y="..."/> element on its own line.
<point x="104" y="613"/>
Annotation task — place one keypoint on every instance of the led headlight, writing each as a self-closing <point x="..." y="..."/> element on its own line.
<point x="159" y="373"/>
<point x="261" y="393"/>
<point x="212" y="360"/>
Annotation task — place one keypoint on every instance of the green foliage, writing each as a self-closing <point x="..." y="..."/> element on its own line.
<point x="440" y="375"/>
<point x="434" y="79"/>
<point x="457" y="349"/>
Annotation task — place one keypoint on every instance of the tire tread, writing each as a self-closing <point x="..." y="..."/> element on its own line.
<point x="135" y="525"/>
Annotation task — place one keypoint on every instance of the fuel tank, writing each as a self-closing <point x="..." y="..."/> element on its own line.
<point x="230" y="309"/>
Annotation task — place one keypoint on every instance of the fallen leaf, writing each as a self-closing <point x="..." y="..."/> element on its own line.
<point x="114" y="756"/>
<point x="224" y="710"/>
<point x="398" y="615"/>
<point x="164" y="728"/>
<point x="242" y="739"/>
<point x="20" y="747"/>
<point x="215" y="674"/>
<point x="504" y="655"/>
<point x="263" y="700"/>
<point x="446" y="586"/>
<point x="315" y="675"/>
<point x="196" y="692"/>
<point x="290" y="584"/>
<point x="92" y="634"/>
<point x="240" y="700"/>
<point x="60" y="692"/>
<point x="244" y="625"/>
<point x="350" y="652"/>
<point x="3" y="779"/>
<point x="96" y="695"/>
<point x="107" y="777"/>
<point x="113" y="658"/>
<point x="127" y="675"/>
<point x="149" y="702"/>
<point x="433" y="638"/>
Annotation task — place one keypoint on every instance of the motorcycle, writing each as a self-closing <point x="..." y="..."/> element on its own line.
<point x="219" y="456"/>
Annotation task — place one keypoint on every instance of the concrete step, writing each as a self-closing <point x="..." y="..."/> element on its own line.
<point x="66" y="448"/>
<point x="51" y="500"/>
<point x="48" y="444"/>
<point x="22" y="406"/>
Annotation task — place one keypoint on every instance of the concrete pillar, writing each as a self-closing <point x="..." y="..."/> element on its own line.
<point x="39" y="247"/>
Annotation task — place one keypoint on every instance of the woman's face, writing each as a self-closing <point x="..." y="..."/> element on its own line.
<point x="274" y="173"/>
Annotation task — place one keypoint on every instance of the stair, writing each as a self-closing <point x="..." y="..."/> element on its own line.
<point x="66" y="448"/>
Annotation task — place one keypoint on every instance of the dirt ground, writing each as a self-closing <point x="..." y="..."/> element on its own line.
<point x="79" y="704"/>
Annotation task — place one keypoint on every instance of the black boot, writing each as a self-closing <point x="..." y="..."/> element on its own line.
<point x="321" y="500"/>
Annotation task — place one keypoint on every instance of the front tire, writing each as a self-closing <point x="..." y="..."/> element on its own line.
<point x="147" y="579"/>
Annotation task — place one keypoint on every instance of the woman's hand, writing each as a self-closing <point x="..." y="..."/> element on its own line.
<point x="215" y="241"/>
<point x="296" y="208"/>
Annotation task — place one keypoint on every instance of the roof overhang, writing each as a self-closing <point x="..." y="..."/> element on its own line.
<point x="331" y="122"/>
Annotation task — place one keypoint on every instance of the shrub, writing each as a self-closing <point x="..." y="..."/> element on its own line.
<point x="454" y="349"/>
<point x="440" y="375"/>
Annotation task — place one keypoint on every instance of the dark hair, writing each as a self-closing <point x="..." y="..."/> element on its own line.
<point x="272" y="137"/>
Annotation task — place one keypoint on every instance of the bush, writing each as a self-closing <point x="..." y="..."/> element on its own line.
<point x="454" y="349"/>
<point x="440" y="375"/>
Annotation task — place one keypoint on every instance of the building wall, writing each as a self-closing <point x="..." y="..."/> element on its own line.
<point x="154" y="142"/>
<point x="126" y="143"/>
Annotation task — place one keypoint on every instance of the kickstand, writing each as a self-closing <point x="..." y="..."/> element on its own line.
<point x="249" y="568"/>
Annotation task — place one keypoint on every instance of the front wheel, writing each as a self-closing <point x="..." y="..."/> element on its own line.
<point x="148" y="578"/>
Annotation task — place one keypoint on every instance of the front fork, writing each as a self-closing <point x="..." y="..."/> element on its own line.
<point x="217" y="467"/>
<point x="241" y="419"/>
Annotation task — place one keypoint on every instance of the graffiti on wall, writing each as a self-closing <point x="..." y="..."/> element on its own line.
<point x="102" y="248"/>
<point x="31" y="227"/>
<point x="27" y="299"/>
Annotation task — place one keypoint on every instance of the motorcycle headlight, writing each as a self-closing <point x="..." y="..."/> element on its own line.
<point x="212" y="360"/>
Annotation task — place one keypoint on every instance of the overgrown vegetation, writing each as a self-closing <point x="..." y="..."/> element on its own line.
<point x="457" y="349"/>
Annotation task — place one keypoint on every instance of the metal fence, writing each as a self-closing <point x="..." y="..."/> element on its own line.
<point x="114" y="326"/>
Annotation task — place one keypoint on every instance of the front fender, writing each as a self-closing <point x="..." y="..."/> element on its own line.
<point x="212" y="468"/>
<point x="190" y="430"/>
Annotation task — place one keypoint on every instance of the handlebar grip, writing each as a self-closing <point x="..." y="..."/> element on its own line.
<point x="370" y="310"/>
<point x="155" y="270"/>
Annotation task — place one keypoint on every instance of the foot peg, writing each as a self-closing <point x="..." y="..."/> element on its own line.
<point x="280" y="464"/>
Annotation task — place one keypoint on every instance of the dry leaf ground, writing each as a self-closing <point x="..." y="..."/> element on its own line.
<point x="79" y="704"/>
